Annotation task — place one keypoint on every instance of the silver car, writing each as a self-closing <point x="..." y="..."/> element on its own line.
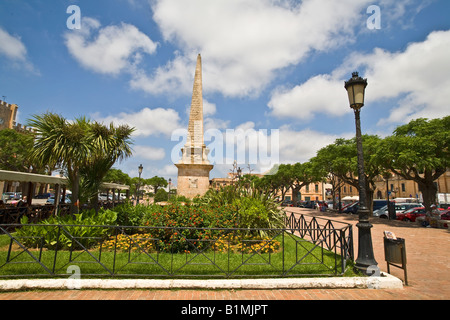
<point x="399" y="208"/>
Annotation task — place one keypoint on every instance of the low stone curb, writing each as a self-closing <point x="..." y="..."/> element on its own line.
<point x="385" y="281"/>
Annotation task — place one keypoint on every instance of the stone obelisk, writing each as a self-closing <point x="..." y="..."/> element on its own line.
<point x="194" y="166"/>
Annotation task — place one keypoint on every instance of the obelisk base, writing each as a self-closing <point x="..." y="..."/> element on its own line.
<point x="193" y="179"/>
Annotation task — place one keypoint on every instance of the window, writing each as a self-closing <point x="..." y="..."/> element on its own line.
<point x="403" y="187"/>
<point x="316" y="188"/>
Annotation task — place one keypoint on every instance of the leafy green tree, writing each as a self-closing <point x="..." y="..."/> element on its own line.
<point x="86" y="150"/>
<point x="157" y="182"/>
<point x="161" y="195"/>
<point x="117" y="176"/>
<point x="61" y="143"/>
<point x="249" y="182"/>
<point x="15" y="150"/>
<point x="419" y="151"/>
<point x="109" y="145"/>
<point x="340" y="158"/>
<point x="302" y="175"/>
<point x="323" y="169"/>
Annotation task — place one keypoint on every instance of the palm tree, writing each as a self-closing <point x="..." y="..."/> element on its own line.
<point x="61" y="143"/>
<point x="109" y="145"/>
<point x="87" y="150"/>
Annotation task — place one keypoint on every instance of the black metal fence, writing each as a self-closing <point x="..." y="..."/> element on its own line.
<point x="307" y="246"/>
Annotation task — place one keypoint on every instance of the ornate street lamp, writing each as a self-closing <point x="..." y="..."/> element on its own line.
<point x="140" y="168"/>
<point x="239" y="172"/>
<point x="365" y="262"/>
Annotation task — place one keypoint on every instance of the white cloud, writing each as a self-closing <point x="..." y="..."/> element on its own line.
<point x="168" y="170"/>
<point x="320" y="94"/>
<point x="148" y="153"/>
<point x="244" y="42"/>
<point x="12" y="47"/>
<point x="214" y="123"/>
<point x="176" y="77"/>
<point x="287" y="146"/>
<point x="419" y="75"/>
<point x="300" y="146"/>
<point x="108" y="50"/>
<point x="209" y="108"/>
<point x="146" y="121"/>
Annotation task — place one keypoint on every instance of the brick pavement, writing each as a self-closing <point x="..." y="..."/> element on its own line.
<point x="428" y="265"/>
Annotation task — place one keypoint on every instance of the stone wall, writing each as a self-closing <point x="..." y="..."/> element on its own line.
<point x="8" y="114"/>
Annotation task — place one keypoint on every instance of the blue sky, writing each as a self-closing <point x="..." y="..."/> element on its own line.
<point x="275" y="68"/>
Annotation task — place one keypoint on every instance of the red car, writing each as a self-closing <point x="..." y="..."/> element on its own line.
<point x="410" y="215"/>
<point x="445" y="215"/>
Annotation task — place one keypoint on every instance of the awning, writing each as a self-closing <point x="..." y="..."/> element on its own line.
<point x="30" y="177"/>
<point x="352" y="198"/>
<point x="41" y="178"/>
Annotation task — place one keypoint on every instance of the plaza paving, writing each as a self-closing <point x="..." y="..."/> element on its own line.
<point x="428" y="266"/>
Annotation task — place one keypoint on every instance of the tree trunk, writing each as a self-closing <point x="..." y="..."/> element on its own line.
<point x="295" y="191"/>
<point x="74" y="208"/>
<point x="94" y="202"/>
<point x="429" y="191"/>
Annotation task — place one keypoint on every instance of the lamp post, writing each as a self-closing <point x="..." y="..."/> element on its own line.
<point x="356" y="89"/>
<point x="170" y="183"/>
<point x="140" y="168"/>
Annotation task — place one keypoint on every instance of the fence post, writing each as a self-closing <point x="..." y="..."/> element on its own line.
<point x="56" y="249"/>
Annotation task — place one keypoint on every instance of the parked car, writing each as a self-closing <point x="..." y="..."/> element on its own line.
<point x="376" y="213"/>
<point x="286" y="203"/>
<point x="399" y="208"/>
<point x="410" y="215"/>
<point x="354" y="207"/>
<point x="445" y="215"/>
<point x="11" y="195"/>
<point x="330" y="204"/>
<point x="51" y="200"/>
<point x="378" y="203"/>
<point x="104" y="197"/>
<point x="309" y="204"/>
<point x="351" y="209"/>
<point x="301" y="203"/>
<point x="44" y="196"/>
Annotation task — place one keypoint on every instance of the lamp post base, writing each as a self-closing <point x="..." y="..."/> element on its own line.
<point x="365" y="262"/>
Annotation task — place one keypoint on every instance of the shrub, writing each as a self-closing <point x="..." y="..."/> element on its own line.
<point x="254" y="208"/>
<point x="181" y="226"/>
<point x="84" y="228"/>
<point x="179" y="199"/>
<point x="161" y="195"/>
<point x="129" y="214"/>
